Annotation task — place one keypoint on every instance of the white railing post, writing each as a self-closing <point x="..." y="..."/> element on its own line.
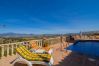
<point x="38" y="43"/>
<point x="2" y="51"/>
<point x="7" y="50"/>
<point x="12" y="49"/>
<point x="15" y="48"/>
<point x="41" y="43"/>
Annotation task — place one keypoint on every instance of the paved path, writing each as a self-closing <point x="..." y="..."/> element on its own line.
<point x="5" y="61"/>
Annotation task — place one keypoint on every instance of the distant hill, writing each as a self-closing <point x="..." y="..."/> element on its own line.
<point x="7" y="35"/>
<point x="85" y="33"/>
<point x="91" y="32"/>
<point x="15" y="35"/>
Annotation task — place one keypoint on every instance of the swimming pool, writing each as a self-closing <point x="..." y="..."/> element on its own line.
<point x="87" y="47"/>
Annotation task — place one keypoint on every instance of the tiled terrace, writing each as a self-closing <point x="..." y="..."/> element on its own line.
<point x="61" y="58"/>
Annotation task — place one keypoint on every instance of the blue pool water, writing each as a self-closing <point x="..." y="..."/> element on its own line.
<point x="89" y="48"/>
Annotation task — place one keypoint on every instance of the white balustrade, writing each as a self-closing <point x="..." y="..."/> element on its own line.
<point x="9" y="49"/>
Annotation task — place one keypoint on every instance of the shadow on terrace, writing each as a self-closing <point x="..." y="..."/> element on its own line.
<point x="75" y="59"/>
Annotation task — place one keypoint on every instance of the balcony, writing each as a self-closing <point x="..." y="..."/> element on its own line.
<point x="61" y="56"/>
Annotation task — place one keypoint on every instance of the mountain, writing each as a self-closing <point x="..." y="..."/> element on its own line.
<point x="7" y="35"/>
<point x="85" y="33"/>
<point x="91" y="32"/>
<point x="15" y="35"/>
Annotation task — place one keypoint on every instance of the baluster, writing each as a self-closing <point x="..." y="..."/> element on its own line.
<point x="15" y="48"/>
<point x="41" y="43"/>
<point x="12" y="49"/>
<point x="2" y="51"/>
<point x="38" y="43"/>
<point x="35" y="42"/>
<point x="7" y="50"/>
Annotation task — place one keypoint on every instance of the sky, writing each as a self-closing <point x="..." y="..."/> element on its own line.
<point x="48" y="16"/>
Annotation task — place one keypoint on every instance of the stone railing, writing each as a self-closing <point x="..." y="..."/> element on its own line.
<point x="9" y="49"/>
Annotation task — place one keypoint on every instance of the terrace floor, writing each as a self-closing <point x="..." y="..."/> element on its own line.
<point x="61" y="58"/>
